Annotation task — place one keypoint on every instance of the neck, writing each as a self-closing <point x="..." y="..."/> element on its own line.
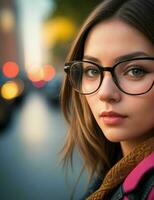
<point x="129" y="145"/>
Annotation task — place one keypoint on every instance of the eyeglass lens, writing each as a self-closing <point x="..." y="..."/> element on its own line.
<point x="132" y="77"/>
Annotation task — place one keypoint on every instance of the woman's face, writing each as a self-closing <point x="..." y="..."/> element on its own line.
<point x="105" y="43"/>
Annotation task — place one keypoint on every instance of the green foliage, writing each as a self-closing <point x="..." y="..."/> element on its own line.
<point x="77" y="10"/>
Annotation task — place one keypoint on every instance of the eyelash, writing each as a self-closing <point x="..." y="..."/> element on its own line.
<point x="134" y="68"/>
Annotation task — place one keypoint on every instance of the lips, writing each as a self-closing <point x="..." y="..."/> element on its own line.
<point x="112" y="118"/>
<point x="111" y="114"/>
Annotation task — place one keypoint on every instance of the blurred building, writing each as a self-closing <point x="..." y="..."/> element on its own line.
<point x="11" y="60"/>
<point x="10" y="39"/>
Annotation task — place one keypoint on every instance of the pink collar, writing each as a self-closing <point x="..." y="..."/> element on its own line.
<point x="134" y="177"/>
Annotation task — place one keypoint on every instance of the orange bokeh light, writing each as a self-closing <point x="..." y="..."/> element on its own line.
<point x="49" y="72"/>
<point x="35" y="75"/>
<point x="10" y="69"/>
<point x="46" y="73"/>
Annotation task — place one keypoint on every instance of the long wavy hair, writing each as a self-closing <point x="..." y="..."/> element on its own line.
<point x="98" y="154"/>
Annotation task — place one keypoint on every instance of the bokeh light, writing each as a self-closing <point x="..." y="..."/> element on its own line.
<point x="35" y="74"/>
<point x="12" y="89"/>
<point x="7" y="20"/>
<point x="10" y="69"/>
<point x="49" y="72"/>
<point x="40" y="76"/>
<point x="39" y="84"/>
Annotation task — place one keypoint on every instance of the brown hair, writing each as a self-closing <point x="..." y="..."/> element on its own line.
<point x="99" y="154"/>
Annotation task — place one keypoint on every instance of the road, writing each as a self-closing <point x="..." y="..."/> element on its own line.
<point x="29" y="154"/>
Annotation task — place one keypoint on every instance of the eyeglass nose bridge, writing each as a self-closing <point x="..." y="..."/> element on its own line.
<point x="108" y="69"/>
<point x="111" y="70"/>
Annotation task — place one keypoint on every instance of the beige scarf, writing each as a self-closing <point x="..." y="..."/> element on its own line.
<point x="120" y="170"/>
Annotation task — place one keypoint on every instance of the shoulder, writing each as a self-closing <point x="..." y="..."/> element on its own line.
<point x="139" y="184"/>
<point x="140" y="181"/>
<point x="144" y="190"/>
<point x="140" y="172"/>
<point x="151" y="194"/>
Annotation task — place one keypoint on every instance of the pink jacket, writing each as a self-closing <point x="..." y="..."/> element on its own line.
<point x="133" y="179"/>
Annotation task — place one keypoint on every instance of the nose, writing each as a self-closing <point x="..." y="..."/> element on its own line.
<point x="108" y="90"/>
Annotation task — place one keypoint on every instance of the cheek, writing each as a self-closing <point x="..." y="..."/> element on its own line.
<point x="96" y="106"/>
<point x="142" y="105"/>
<point x="140" y="110"/>
<point x="91" y="100"/>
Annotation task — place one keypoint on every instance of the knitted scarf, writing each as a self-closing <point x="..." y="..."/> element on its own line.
<point x="121" y="169"/>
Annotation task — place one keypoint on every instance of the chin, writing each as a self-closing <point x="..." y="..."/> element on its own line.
<point x="115" y="137"/>
<point x="111" y="139"/>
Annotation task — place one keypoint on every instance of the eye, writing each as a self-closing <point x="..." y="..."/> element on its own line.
<point x="135" y="71"/>
<point x="91" y="72"/>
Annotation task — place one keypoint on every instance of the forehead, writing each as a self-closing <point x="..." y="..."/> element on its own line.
<point x="112" y="38"/>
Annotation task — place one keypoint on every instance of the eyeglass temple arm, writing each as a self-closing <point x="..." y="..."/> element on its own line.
<point x="66" y="67"/>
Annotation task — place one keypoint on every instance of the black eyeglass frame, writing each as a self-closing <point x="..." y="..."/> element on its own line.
<point x="111" y="69"/>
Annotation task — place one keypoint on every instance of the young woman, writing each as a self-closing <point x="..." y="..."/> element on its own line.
<point x="108" y="99"/>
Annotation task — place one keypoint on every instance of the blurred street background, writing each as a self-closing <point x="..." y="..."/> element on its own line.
<point x="35" y="36"/>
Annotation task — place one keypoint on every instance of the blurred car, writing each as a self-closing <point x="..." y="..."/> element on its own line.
<point x="52" y="90"/>
<point x="8" y="106"/>
<point x="6" y="110"/>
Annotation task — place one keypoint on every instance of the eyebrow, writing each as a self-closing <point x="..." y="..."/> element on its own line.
<point x="119" y="58"/>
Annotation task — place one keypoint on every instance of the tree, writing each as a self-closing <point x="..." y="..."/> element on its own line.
<point x="74" y="9"/>
<point x="63" y="24"/>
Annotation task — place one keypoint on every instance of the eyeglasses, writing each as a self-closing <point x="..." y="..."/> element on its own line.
<point x="133" y="76"/>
